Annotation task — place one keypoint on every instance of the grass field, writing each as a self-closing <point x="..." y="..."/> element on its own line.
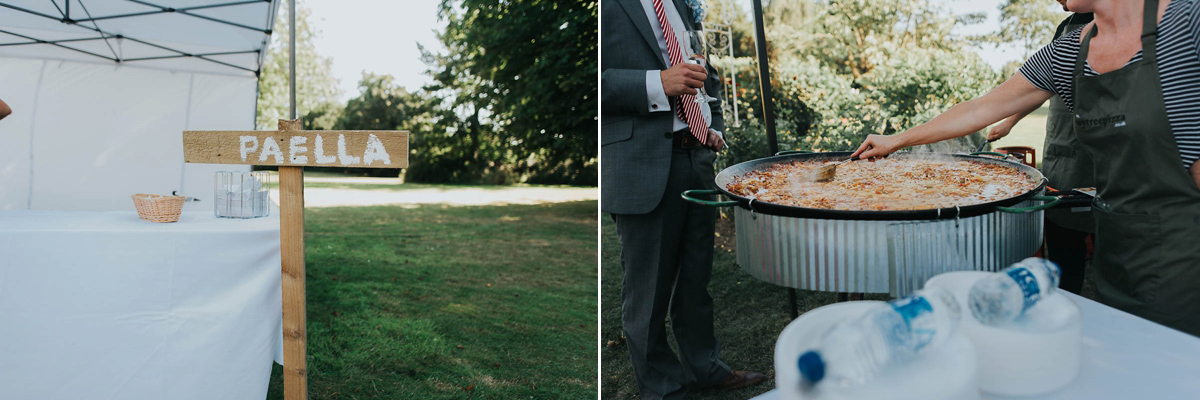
<point x="749" y="316"/>
<point x="446" y="302"/>
<point x="1029" y="132"/>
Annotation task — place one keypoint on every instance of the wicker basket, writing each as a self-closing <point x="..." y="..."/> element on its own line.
<point x="156" y="208"/>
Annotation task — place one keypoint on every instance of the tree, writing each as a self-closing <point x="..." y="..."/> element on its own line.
<point x="1030" y="23"/>
<point x="316" y="88"/>
<point x="852" y="36"/>
<point x="857" y="67"/>
<point x="467" y="96"/>
<point x="434" y="155"/>
<point x="530" y="69"/>
<point x="380" y="105"/>
<point x="789" y="13"/>
<point x="728" y="16"/>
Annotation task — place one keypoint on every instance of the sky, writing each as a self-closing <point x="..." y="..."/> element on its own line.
<point x="382" y="36"/>
<point x="993" y="56"/>
<point x="376" y="36"/>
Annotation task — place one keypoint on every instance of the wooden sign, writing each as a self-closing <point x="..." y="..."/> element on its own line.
<point x="291" y="148"/>
<point x="356" y="149"/>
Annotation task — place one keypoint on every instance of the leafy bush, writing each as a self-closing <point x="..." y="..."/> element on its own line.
<point x="862" y="68"/>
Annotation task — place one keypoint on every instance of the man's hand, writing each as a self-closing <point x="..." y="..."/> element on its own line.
<point x="717" y="143"/>
<point x="683" y="78"/>
<point x="4" y="110"/>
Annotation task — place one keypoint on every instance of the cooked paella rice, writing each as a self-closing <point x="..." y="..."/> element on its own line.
<point x="895" y="183"/>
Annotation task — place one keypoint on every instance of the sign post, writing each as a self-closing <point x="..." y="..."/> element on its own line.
<point x="291" y="148"/>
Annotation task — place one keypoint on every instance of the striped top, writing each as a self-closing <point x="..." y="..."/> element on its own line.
<point x="1178" y="46"/>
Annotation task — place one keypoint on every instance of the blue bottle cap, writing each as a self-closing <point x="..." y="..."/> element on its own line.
<point x="812" y="367"/>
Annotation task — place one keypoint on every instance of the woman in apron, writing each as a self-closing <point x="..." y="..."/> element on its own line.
<point x="1135" y="95"/>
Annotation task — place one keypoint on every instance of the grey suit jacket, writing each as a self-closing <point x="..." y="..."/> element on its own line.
<point x="635" y="144"/>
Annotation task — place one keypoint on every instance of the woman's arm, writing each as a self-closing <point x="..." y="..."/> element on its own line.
<point x="1004" y="127"/>
<point x="1015" y="95"/>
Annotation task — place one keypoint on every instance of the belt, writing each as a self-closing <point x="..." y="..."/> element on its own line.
<point x="684" y="139"/>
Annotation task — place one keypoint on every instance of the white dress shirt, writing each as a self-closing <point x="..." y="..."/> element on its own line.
<point x="656" y="96"/>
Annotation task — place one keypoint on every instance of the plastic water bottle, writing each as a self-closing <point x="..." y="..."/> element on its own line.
<point x="1006" y="295"/>
<point x="853" y="351"/>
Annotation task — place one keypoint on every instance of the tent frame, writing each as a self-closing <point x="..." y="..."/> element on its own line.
<point x="65" y="17"/>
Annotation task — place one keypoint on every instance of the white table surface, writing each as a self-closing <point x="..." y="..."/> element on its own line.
<point x="103" y="305"/>
<point x="1124" y="357"/>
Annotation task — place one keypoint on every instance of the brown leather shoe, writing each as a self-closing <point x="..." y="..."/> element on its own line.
<point x="740" y="379"/>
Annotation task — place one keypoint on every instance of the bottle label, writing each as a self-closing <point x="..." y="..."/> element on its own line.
<point x="1028" y="284"/>
<point x="911" y="309"/>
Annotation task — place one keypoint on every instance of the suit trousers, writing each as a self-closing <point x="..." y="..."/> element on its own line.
<point x="667" y="260"/>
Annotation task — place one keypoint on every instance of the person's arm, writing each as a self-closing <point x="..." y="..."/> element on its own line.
<point x="1004" y="127"/>
<point x="626" y="91"/>
<point x="1195" y="169"/>
<point x="1014" y="95"/>
<point x="5" y="110"/>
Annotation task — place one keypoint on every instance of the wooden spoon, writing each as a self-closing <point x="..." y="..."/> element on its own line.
<point x="827" y="172"/>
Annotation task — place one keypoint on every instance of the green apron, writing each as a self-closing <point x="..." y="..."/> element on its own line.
<point x="1148" y="210"/>
<point x="1065" y="163"/>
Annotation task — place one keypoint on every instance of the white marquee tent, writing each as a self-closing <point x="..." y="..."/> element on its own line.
<point x="101" y="91"/>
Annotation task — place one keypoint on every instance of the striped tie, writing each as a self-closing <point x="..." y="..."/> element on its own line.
<point x="687" y="109"/>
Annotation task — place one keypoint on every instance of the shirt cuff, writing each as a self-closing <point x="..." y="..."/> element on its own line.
<point x="656" y="97"/>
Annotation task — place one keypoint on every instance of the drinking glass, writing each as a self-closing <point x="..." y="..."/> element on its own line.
<point x="697" y="52"/>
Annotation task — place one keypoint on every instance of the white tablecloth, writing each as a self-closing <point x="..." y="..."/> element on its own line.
<point x="1124" y="357"/>
<point x="103" y="305"/>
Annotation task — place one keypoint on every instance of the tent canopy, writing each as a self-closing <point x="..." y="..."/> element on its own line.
<point x="101" y="91"/>
<point x="218" y="36"/>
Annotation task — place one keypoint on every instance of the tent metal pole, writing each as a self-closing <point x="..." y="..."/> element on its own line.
<point x="189" y="55"/>
<point x="39" y="41"/>
<point x="56" y="44"/>
<point x="105" y="35"/>
<point x="120" y="16"/>
<point x="60" y="19"/>
<point x="764" y="78"/>
<point x="184" y="11"/>
<point x="292" y="48"/>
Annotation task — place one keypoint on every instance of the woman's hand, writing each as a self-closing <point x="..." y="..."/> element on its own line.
<point x="1000" y="130"/>
<point x="879" y="146"/>
<point x="1011" y="97"/>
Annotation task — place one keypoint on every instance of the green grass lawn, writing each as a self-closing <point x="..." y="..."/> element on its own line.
<point x="750" y="314"/>
<point x="1029" y="132"/>
<point x="442" y="302"/>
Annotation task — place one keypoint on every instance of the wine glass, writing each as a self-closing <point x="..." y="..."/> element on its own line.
<point x="696" y="54"/>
